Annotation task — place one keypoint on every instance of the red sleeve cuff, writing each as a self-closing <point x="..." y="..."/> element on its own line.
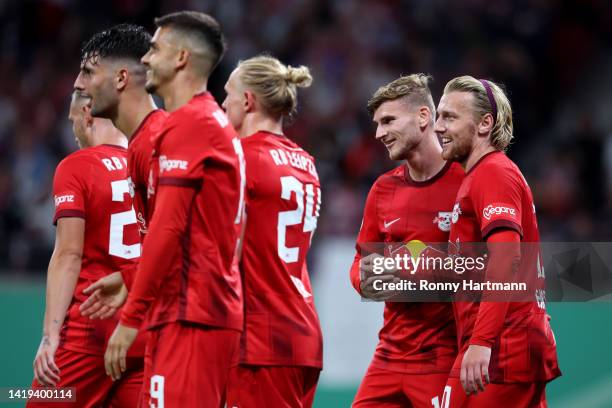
<point x="486" y="231"/>
<point x="68" y="214"/>
<point x="130" y="321"/>
<point x="476" y="341"/>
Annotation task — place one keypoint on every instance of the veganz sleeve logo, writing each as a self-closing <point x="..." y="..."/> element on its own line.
<point x="492" y="210"/>
<point x="68" y="198"/>
<point x="166" y="164"/>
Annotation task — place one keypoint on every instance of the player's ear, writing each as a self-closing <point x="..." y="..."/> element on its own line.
<point x="424" y="116"/>
<point x="485" y="125"/>
<point x="122" y="79"/>
<point x="182" y="58"/>
<point x="249" y="101"/>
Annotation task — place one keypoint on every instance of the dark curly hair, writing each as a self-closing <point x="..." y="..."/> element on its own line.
<point x="121" y="41"/>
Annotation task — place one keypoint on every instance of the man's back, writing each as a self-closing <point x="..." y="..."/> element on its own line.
<point x="92" y="184"/>
<point x="283" y="201"/>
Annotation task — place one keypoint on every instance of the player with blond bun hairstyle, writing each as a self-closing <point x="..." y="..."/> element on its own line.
<point x="281" y="347"/>
<point x="507" y="351"/>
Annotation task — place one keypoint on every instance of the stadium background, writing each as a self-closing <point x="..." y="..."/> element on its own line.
<point x="554" y="57"/>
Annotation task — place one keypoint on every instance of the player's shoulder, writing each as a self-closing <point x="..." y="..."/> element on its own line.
<point x="496" y="167"/>
<point x="393" y="176"/>
<point x="201" y="115"/>
<point x="78" y="158"/>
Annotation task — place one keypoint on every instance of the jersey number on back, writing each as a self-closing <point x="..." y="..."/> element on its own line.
<point x="290" y="185"/>
<point x="118" y="221"/>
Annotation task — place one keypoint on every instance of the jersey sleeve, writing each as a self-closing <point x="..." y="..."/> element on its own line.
<point x="496" y="196"/>
<point x="70" y="188"/>
<point x="160" y="248"/>
<point x="369" y="233"/>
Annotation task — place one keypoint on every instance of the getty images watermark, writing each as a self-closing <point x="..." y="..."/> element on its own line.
<point x="419" y="271"/>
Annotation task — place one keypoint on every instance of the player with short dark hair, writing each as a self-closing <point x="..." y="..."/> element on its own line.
<point x="187" y="282"/>
<point x="281" y="353"/>
<point x="411" y="203"/>
<point x="113" y="76"/>
<point x="507" y="344"/>
<point x="96" y="235"/>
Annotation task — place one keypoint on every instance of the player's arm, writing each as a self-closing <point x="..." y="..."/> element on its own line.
<point x="62" y="276"/>
<point x="502" y="230"/>
<point x="362" y="270"/>
<point x="159" y="252"/>
<point x="504" y="251"/>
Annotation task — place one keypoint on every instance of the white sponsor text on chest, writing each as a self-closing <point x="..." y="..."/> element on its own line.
<point x="294" y="159"/>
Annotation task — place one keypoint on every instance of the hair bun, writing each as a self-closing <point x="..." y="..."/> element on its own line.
<point x="299" y="76"/>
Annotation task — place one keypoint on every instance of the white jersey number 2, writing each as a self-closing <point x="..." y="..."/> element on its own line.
<point x="118" y="221"/>
<point x="289" y="185"/>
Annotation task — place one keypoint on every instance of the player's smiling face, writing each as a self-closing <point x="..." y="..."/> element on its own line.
<point x="158" y="60"/>
<point x="235" y="100"/>
<point x="456" y="125"/>
<point x="397" y="127"/>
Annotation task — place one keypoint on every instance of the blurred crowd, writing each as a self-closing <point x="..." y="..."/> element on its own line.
<point x="553" y="56"/>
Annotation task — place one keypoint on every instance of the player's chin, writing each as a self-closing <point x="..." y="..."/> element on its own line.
<point x="150" y="86"/>
<point x="447" y="152"/>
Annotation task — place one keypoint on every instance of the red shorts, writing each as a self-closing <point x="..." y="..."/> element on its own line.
<point x="85" y="372"/>
<point x="278" y="386"/>
<point x="515" y="395"/>
<point x="390" y="389"/>
<point x="188" y="365"/>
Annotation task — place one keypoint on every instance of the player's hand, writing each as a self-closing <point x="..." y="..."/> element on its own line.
<point x="45" y="370"/>
<point x="368" y="277"/>
<point x="475" y="367"/>
<point x="106" y="296"/>
<point x="116" y="350"/>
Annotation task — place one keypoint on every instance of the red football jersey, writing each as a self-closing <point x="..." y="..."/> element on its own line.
<point x="495" y="195"/>
<point x="92" y="184"/>
<point x="282" y="207"/>
<point x="140" y="151"/>
<point x="415" y="337"/>
<point x="185" y="273"/>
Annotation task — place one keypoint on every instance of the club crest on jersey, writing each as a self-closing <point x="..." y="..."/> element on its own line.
<point x="456" y="213"/>
<point x="495" y="209"/>
<point x="443" y="219"/>
<point x="67" y="198"/>
<point x="166" y="164"/>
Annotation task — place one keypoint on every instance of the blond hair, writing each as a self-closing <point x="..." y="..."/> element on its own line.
<point x="274" y="83"/>
<point x="500" y="109"/>
<point x="414" y="88"/>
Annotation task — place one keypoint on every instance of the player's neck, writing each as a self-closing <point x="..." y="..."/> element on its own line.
<point x="257" y="122"/>
<point x="181" y="90"/>
<point x="425" y="160"/>
<point x="477" y="153"/>
<point x="132" y="112"/>
<point x="103" y="132"/>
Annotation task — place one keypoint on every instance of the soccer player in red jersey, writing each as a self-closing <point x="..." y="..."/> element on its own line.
<point x="509" y="344"/>
<point x="96" y="235"/>
<point x="411" y="202"/>
<point x="281" y="351"/>
<point x="186" y="284"/>
<point x="112" y="74"/>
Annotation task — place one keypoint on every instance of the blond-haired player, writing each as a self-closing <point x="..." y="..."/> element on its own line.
<point x="281" y="349"/>
<point x="509" y="345"/>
